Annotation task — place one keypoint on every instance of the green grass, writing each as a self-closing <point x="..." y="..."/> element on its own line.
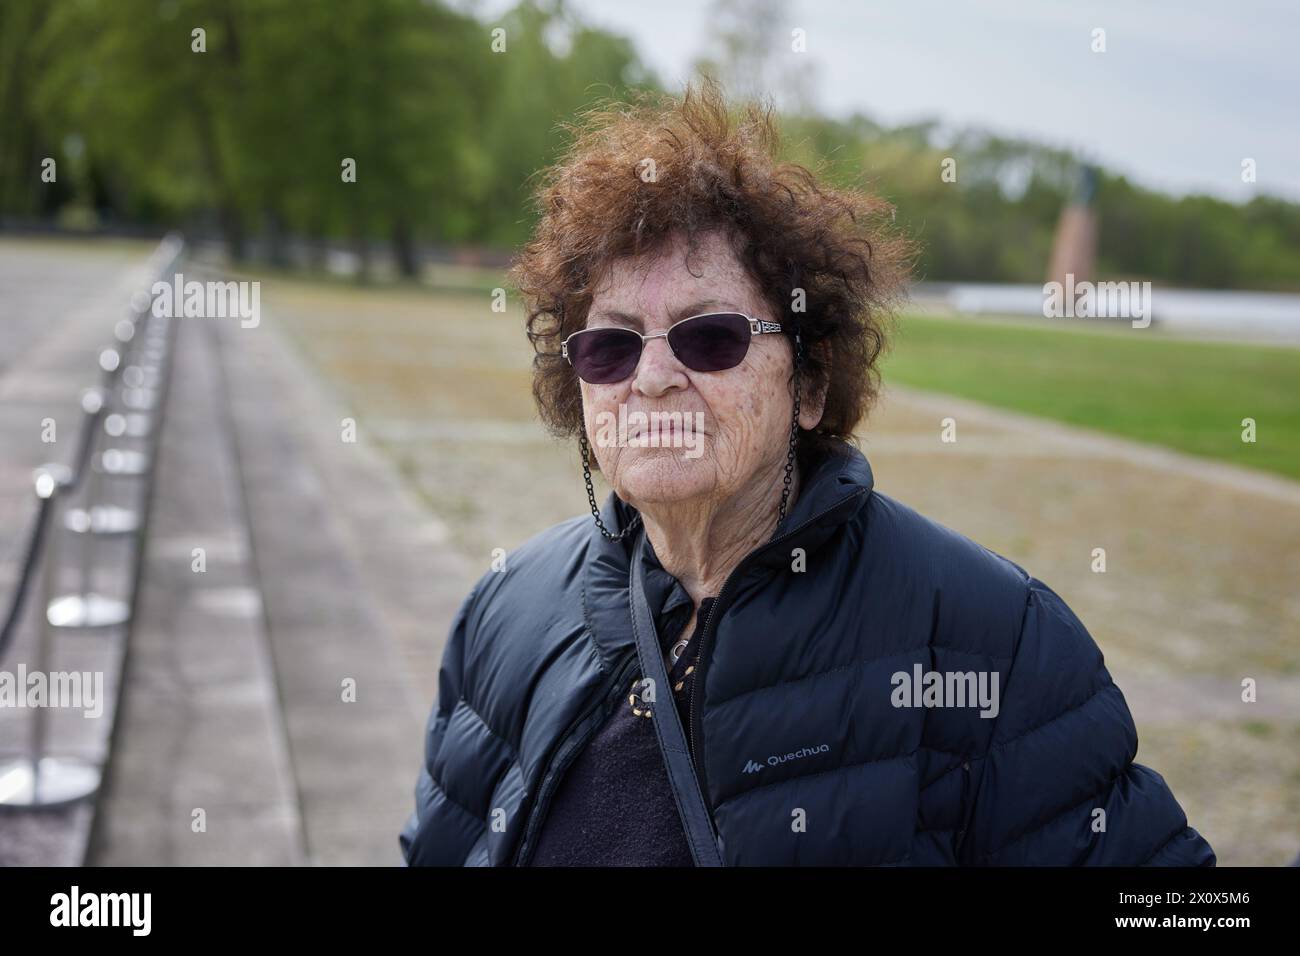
<point x="1188" y="395"/>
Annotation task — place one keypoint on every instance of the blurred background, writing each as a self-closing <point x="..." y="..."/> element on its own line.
<point x="260" y="530"/>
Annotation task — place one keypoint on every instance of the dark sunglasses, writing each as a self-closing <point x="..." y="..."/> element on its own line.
<point x="703" y="343"/>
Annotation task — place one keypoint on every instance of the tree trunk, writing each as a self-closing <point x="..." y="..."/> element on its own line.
<point x="408" y="263"/>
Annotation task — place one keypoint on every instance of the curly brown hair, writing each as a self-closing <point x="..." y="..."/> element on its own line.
<point x="712" y="171"/>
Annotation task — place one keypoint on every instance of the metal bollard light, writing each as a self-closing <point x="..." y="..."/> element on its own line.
<point x="39" y="780"/>
<point x="85" y="609"/>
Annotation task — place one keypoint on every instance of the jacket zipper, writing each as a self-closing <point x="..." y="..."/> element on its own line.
<point x="567" y="750"/>
<point x="701" y="661"/>
<point x="570" y="746"/>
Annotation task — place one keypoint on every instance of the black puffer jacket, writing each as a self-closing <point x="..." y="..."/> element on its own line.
<point x="805" y="754"/>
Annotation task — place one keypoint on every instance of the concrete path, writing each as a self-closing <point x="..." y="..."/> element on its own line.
<point x="200" y="772"/>
<point x="273" y="701"/>
<point x="273" y="691"/>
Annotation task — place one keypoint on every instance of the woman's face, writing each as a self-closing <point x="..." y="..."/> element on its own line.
<point x="734" y="427"/>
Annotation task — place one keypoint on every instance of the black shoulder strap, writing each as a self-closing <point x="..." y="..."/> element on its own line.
<point x="668" y="726"/>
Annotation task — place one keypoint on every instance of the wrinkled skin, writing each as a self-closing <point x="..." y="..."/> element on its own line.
<point x="703" y="514"/>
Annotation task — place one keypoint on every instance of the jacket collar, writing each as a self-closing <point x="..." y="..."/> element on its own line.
<point x="833" y="491"/>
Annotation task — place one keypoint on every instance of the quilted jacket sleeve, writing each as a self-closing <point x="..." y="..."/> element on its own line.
<point x="439" y="832"/>
<point x="1058" y="785"/>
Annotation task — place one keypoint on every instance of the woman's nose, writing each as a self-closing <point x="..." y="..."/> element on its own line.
<point x="659" y="370"/>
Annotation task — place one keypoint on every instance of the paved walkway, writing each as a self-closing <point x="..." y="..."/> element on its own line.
<point x="200" y="773"/>
<point x="268" y="710"/>
<point x="272" y="691"/>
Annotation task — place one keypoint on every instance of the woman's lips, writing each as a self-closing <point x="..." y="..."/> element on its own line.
<point x="671" y="430"/>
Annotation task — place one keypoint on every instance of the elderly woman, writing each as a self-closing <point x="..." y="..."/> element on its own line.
<point x="750" y="656"/>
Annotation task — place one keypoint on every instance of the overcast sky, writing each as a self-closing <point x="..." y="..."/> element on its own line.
<point x="1184" y="92"/>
